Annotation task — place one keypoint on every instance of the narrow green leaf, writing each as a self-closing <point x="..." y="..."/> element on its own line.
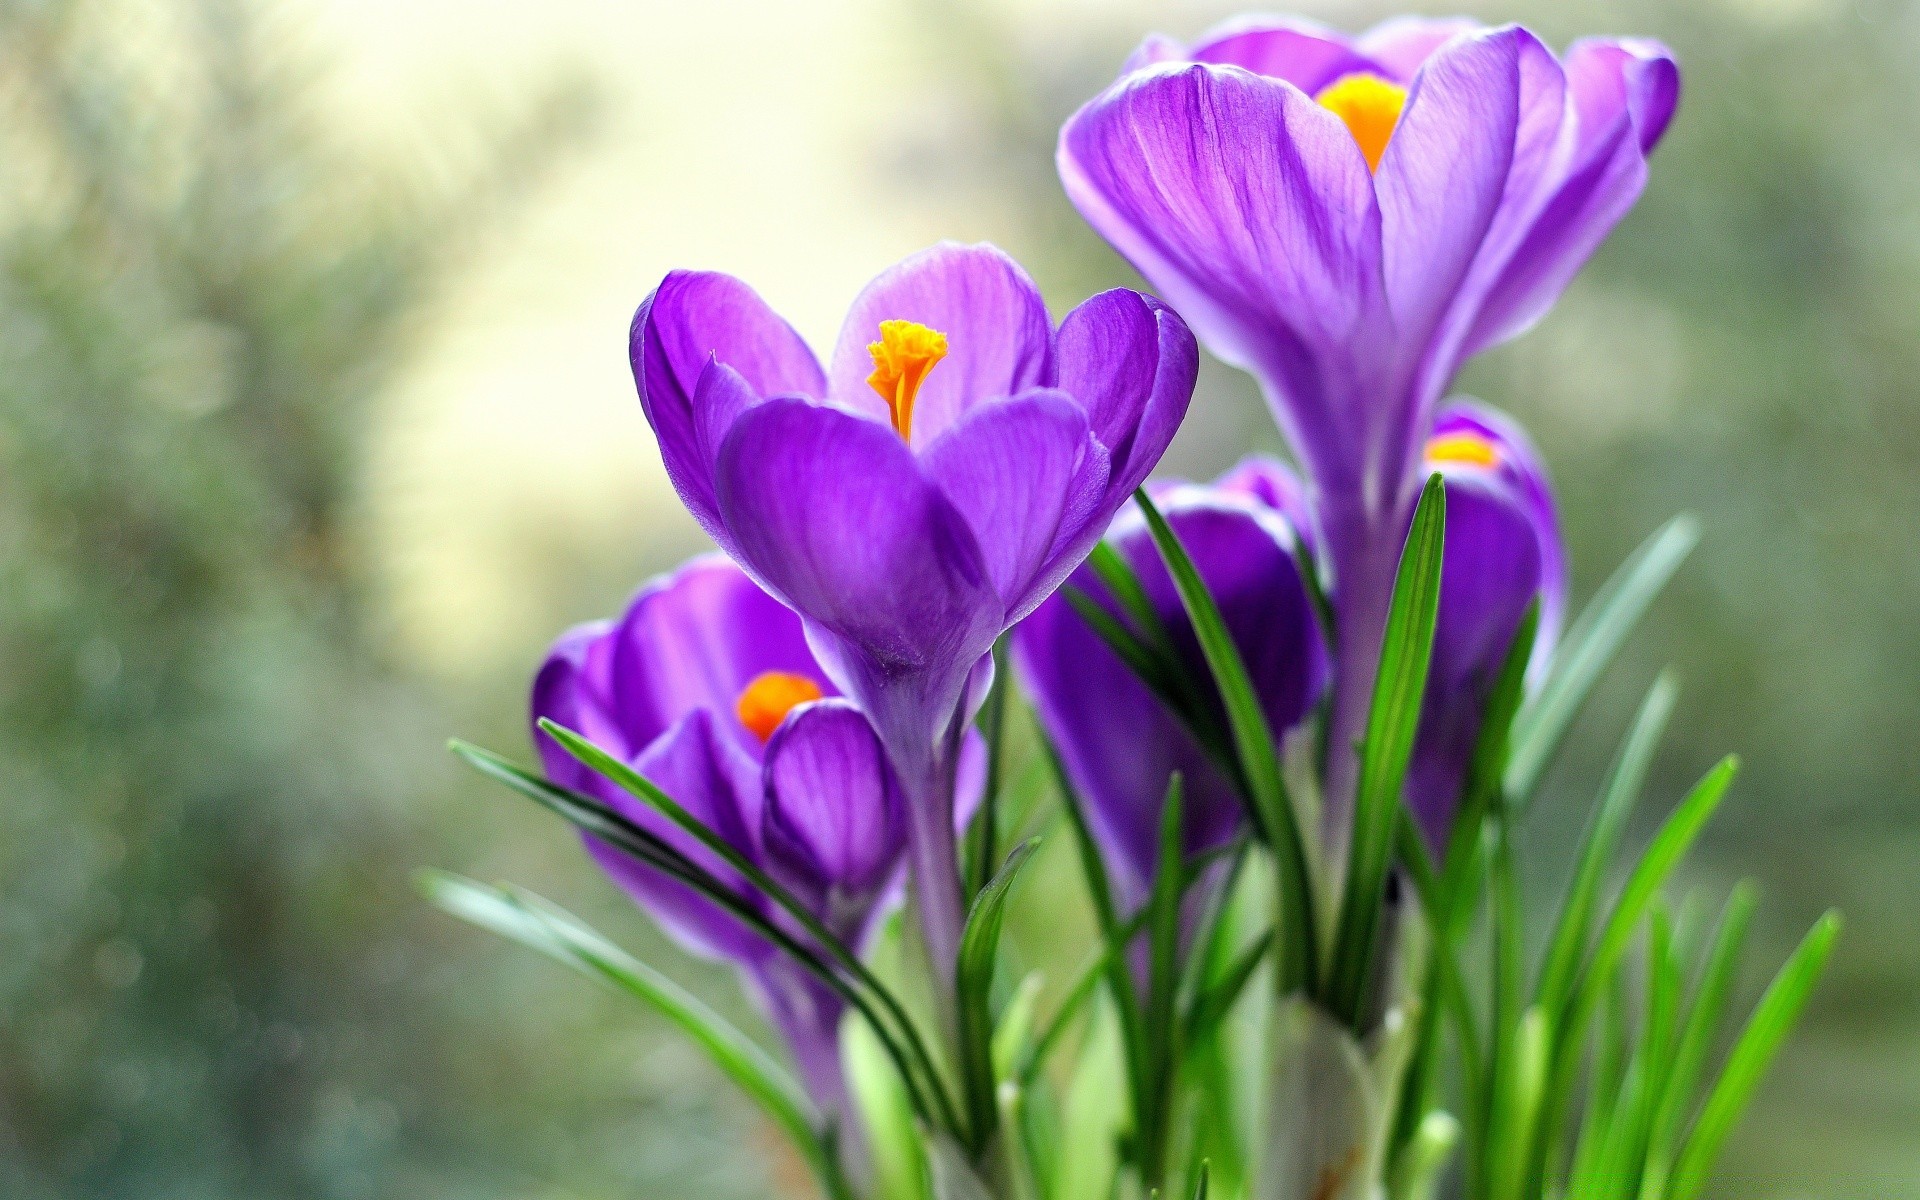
<point x="1271" y="808"/>
<point x="1160" y="676"/>
<point x="644" y="790"/>
<point x="1573" y="929"/>
<point x="985" y="849"/>
<point x="1717" y="977"/>
<point x="1214" y="1001"/>
<point x="979" y="951"/>
<point x="563" y="938"/>
<point x="1163" y="977"/>
<point x="1779" y="1009"/>
<point x="1590" y="646"/>
<point x="1392" y="720"/>
<point x="1200" y="1181"/>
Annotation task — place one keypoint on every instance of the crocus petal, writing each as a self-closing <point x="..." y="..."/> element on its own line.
<point x="695" y="640"/>
<point x="1306" y="54"/>
<point x="1620" y="96"/>
<point x="1013" y="470"/>
<point x="831" y="512"/>
<point x="692" y="318"/>
<point x="1250" y="207"/>
<point x="711" y="779"/>
<point x="1131" y="363"/>
<point x="1273" y="484"/>
<point x="1116" y="740"/>
<point x="574" y="687"/>
<point x="1402" y="44"/>
<point x="999" y="338"/>
<point x="835" y="827"/>
<point x="1522" y="469"/>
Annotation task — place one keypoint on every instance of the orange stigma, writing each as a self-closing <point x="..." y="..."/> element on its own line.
<point x="1465" y="449"/>
<point x="902" y="357"/>
<point x="766" y="701"/>
<point x="1371" y="108"/>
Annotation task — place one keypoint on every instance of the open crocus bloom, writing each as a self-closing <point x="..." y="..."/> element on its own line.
<point x="953" y="462"/>
<point x="1503" y="549"/>
<point x="1117" y="742"/>
<point x="1349" y="218"/>
<point x="705" y="685"/>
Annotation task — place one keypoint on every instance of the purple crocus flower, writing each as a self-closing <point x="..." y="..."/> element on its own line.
<point x="1350" y="218"/>
<point x="1116" y="740"/>
<point x="953" y="462"/>
<point x="1503" y="549"/>
<point x="705" y="685"/>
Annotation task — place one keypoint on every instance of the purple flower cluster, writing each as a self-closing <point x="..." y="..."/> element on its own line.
<point x="1349" y="219"/>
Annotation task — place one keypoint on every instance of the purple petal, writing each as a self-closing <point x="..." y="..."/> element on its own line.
<point x="999" y="338"/>
<point x="714" y="781"/>
<point x="1250" y="208"/>
<point x="574" y="686"/>
<point x="1117" y="742"/>
<point x="695" y="640"/>
<point x="692" y="318"/>
<point x="1502" y="550"/>
<point x="1273" y="484"/>
<point x="1615" y="97"/>
<point x="1402" y="44"/>
<point x="835" y="828"/>
<point x="1304" y="53"/>
<point x="1014" y="470"/>
<point x="1130" y="362"/>
<point x="832" y="513"/>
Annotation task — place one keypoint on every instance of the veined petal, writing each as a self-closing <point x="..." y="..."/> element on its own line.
<point x="835" y="826"/>
<point x="1130" y="362"/>
<point x="1306" y="54"/>
<point x="1273" y="484"/>
<point x="1014" y="469"/>
<point x="1402" y="44"/>
<point x="695" y="640"/>
<point x="831" y="512"/>
<point x="692" y="318"/>
<point x="575" y="686"/>
<point x="999" y="338"/>
<point x="1250" y="207"/>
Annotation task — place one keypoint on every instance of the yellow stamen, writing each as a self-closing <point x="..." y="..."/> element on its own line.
<point x="1371" y="108"/>
<point x="902" y="357"/>
<point x="1466" y="449"/>
<point x="766" y="701"/>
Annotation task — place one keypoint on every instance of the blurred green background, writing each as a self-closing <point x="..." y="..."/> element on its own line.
<point x="315" y="427"/>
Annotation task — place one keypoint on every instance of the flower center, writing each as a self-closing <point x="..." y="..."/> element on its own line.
<point x="766" y="701"/>
<point x="1465" y="449"/>
<point x="1371" y="108"/>
<point x="902" y="357"/>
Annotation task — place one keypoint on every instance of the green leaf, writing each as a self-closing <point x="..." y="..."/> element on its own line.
<point x="1574" y="927"/>
<point x="1271" y="808"/>
<point x="1200" y="1181"/>
<point x="979" y="951"/>
<point x="560" y="936"/>
<point x="1786" y="997"/>
<point x="1214" y="1001"/>
<point x="1590" y="646"/>
<point x="993" y="727"/>
<point x="595" y="817"/>
<point x="1710" y="995"/>
<point x="1392" y="720"/>
<point x="1163" y="977"/>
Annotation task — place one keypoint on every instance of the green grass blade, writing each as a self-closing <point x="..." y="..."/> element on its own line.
<point x="1163" y="978"/>
<point x="984" y="843"/>
<point x="1590" y="646"/>
<point x="1710" y="994"/>
<point x="1200" y="1181"/>
<point x="1573" y="929"/>
<point x="979" y="951"/>
<point x="1213" y="1002"/>
<point x="1392" y="720"/>
<point x="566" y="940"/>
<point x="1786" y="997"/>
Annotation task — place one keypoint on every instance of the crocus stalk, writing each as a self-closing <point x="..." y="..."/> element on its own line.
<point x="955" y="459"/>
<point x="1350" y="218"/>
<point x="705" y="686"/>
<point x="1116" y="739"/>
<point x="1503" y="551"/>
